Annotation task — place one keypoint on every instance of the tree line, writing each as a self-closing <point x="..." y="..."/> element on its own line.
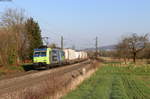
<point x="19" y="35"/>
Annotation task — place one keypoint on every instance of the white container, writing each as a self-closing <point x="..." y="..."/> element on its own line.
<point x="77" y="55"/>
<point x="70" y="54"/>
<point x="83" y="55"/>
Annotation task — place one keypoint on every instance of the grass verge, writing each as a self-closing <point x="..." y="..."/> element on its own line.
<point x="115" y="82"/>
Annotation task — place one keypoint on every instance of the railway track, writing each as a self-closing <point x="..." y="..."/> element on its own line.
<point x="28" y="79"/>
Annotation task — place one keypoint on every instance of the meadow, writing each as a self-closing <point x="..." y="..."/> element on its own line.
<point x="115" y="81"/>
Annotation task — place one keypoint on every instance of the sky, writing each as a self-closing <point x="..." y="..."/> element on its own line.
<point x="80" y="21"/>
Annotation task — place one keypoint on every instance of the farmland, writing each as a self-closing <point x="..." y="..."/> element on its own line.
<point x="114" y="81"/>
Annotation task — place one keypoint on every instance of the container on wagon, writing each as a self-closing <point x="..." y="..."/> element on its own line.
<point x="70" y="54"/>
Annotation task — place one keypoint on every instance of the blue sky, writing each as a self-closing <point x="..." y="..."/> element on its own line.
<point x="80" y="21"/>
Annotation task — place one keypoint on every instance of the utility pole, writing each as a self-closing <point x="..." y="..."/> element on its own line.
<point x="96" y="47"/>
<point x="62" y="42"/>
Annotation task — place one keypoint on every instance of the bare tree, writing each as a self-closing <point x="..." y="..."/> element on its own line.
<point x="122" y="50"/>
<point x="12" y="23"/>
<point x="133" y="45"/>
<point x="136" y="44"/>
<point x="12" y="17"/>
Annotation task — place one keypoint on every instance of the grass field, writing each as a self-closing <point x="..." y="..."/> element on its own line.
<point x="115" y="82"/>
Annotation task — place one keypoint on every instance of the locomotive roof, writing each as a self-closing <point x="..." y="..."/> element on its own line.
<point x="44" y="49"/>
<point x="40" y="49"/>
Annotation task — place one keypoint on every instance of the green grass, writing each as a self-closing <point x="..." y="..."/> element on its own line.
<point x="115" y="82"/>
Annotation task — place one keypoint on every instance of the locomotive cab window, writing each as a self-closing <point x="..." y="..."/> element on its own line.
<point x="39" y="54"/>
<point x="43" y="53"/>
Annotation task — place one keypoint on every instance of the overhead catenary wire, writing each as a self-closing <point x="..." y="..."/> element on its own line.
<point x="55" y="36"/>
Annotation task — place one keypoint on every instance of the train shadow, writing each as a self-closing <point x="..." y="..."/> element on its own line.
<point x="28" y="67"/>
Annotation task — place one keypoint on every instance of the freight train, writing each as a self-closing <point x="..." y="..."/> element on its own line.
<point x="51" y="57"/>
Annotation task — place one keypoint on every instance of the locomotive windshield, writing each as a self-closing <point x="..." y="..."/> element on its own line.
<point x="39" y="54"/>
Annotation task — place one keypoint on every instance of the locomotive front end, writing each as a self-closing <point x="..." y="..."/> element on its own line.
<point x="40" y="57"/>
